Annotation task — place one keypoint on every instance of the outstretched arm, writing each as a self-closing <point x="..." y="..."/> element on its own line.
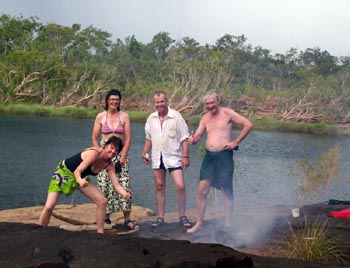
<point x="113" y="178"/>
<point x="88" y="159"/>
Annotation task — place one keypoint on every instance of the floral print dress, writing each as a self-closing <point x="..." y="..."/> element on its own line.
<point x="116" y="202"/>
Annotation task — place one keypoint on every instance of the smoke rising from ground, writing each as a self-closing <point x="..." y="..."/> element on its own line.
<point x="251" y="224"/>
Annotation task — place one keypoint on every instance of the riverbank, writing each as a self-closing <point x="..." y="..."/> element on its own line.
<point x="82" y="218"/>
<point x="260" y="251"/>
<point x="269" y="124"/>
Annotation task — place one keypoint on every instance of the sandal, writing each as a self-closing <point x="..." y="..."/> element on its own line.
<point x="132" y="225"/>
<point x="185" y="222"/>
<point x="159" y="222"/>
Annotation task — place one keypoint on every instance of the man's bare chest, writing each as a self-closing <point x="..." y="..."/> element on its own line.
<point x="219" y="124"/>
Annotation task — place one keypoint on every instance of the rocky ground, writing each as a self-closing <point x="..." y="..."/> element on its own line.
<point x="248" y="244"/>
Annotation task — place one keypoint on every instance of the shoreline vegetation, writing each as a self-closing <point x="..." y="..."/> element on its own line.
<point x="303" y="91"/>
<point x="268" y="124"/>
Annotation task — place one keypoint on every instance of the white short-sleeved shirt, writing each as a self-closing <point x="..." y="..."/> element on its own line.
<point x="167" y="138"/>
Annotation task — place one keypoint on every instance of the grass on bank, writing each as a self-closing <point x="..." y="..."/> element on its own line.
<point x="66" y="111"/>
<point x="299" y="127"/>
<point x="312" y="242"/>
<point x="193" y="120"/>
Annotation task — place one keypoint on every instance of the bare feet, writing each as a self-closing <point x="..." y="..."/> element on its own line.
<point x="194" y="229"/>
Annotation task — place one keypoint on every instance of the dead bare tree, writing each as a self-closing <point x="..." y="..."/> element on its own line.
<point x="303" y="110"/>
<point x="188" y="89"/>
<point x="76" y="88"/>
<point x="344" y="114"/>
<point x="343" y="75"/>
<point x="194" y="81"/>
<point x="100" y="85"/>
<point x="26" y="80"/>
<point x="24" y="89"/>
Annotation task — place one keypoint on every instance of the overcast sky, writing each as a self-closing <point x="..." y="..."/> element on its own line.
<point x="276" y="25"/>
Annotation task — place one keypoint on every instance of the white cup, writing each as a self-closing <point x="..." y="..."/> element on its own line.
<point x="295" y="212"/>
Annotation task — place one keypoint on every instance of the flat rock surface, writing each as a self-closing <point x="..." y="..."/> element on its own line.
<point x="247" y="243"/>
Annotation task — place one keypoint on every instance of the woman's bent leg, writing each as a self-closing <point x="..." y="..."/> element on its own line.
<point x="97" y="197"/>
<point x="48" y="209"/>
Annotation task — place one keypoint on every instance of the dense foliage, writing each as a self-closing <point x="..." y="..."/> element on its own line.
<point x="57" y="65"/>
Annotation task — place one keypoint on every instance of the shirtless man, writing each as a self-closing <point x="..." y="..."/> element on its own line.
<point x="217" y="166"/>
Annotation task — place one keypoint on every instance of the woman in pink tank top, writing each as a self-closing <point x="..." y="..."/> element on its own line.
<point x="114" y="122"/>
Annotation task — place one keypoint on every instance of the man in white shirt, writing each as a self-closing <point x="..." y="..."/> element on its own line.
<point x="166" y="134"/>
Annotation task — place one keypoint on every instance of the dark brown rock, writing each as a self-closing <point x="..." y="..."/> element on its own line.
<point x="29" y="245"/>
<point x="26" y="245"/>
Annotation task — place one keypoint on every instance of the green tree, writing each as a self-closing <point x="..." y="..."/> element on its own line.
<point x="160" y="45"/>
<point x="319" y="61"/>
<point x="54" y="39"/>
<point x="17" y="33"/>
<point x="189" y="46"/>
<point x="97" y="42"/>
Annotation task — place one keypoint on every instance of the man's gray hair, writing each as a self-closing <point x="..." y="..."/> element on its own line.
<point x="211" y="94"/>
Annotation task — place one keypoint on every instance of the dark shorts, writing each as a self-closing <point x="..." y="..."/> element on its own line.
<point x="219" y="167"/>
<point x="161" y="166"/>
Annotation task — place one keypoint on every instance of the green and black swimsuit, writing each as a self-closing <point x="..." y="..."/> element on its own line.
<point x="63" y="179"/>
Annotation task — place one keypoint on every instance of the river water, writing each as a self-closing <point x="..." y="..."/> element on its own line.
<point x="30" y="149"/>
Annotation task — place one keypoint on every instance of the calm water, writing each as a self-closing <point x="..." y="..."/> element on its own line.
<point x="30" y="149"/>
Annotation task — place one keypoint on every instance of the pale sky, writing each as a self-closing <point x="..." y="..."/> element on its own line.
<point x="276" y="25"/>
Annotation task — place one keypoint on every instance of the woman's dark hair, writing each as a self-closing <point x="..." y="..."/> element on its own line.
<point x="111" y="92"/>
<point x="117" y="142"/>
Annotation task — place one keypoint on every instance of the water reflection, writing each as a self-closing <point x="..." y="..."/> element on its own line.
<point x="31" y="148"/>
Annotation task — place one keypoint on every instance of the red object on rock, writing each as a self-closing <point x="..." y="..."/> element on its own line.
<point x="343" y="214"/>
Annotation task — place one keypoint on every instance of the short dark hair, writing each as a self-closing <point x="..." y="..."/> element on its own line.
<point x="117" y="142"/>
<point x="111" y="92"/>
<point x="161" y="92"/>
